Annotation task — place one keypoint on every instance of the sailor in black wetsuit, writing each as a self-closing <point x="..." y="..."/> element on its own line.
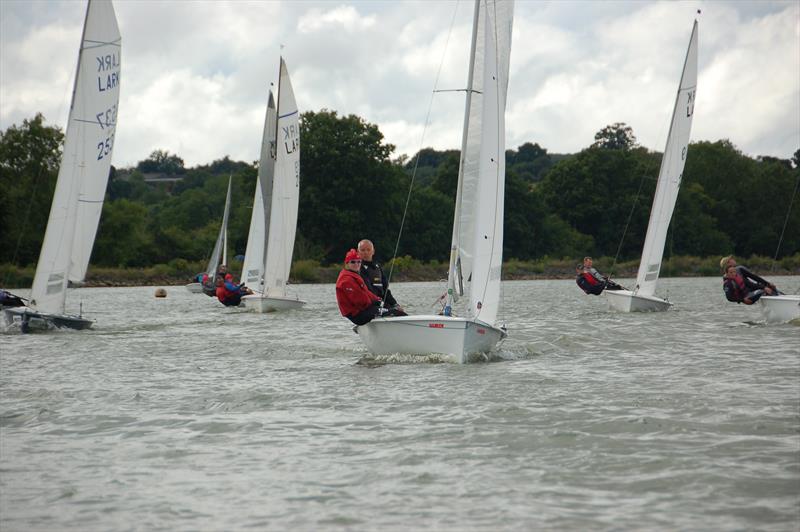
<point x="743" y="286"/>
<point x="375" y="279"/>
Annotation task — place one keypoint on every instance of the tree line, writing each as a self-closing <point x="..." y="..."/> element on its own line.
<point x="594" y="202"/>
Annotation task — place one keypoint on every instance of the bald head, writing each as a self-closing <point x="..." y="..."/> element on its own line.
<point x="366" y="250"/>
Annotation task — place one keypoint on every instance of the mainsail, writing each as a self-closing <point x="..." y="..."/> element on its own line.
<point x="85" y="163"/>
<point x="221" y="246"/>
<point x="477" y="244"/>
<point x="670" y="174"/>
<point x="254" y="256"/>
<point x="282" y="203"/>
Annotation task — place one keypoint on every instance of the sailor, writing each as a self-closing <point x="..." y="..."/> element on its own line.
<point x="356" y="302"/>
<point x="7" y="299"/>
<point x="375" y="279"/>
<point x="591" y="281"/>
<point x="743" y="286"/>
<point x="229" y="293"/>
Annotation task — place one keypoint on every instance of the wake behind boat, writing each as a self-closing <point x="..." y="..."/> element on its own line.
<point x="477" y="243"/>
<point x="642" y="297"/>
<point x="82" y="177"/>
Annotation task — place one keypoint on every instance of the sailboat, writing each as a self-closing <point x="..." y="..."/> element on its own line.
<point x="642" y="297"/>
<point x="477" y="242"/>
<point x="273" y="224"/>
<point x="220" y="247"/>
<point x="82" y="177"/>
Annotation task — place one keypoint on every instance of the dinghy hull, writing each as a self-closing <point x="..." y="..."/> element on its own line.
<point x="261" y="304"/>
<point x="424" y="335"/>
<point x="780" y="309"/>
<point x="195" y="288"/>
<point x="627" y="301"/>
<point x="31" y="320"/>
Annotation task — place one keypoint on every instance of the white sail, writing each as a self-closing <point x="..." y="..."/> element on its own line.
<point x="281" y="211"/>
<point x="222" y="239"/>
<point x="478" y="223"/>
<point x="85" y="163"/>
<point x="670" y="174"/>
<point x="253" y="266"/>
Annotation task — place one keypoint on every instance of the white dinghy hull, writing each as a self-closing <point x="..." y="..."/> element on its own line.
<point x="780" y="309"/>
<point x="195" y="288"/>
<point x="627" y="301"/>
<point x="261" y="304"/>
<point x="460" y="338"/>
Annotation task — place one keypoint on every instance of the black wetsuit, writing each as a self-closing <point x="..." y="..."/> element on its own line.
<point x="378" y="284"/>
<point x="376" y="281"/>
<point x="746" y="285"/>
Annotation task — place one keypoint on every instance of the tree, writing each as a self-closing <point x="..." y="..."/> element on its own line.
<point x="617" y="136"/>
<point x="30" y="156"/>
<point x="349" y="188"/>
<point x="162" y="161"/>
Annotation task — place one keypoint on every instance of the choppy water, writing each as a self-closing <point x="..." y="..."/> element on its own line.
<point x="179" y="414"/>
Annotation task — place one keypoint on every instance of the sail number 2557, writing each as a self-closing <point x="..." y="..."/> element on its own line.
<point x="104" y="147"/>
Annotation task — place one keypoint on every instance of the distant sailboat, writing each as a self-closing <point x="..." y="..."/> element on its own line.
<point x="220" y="248"/>
<point x="477" y="244"/>
<point x="642" y="297"/>
<point x="82" y="177"/>
<point x="279" y="187"/>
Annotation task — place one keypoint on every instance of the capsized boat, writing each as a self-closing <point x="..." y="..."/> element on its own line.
<point x="642" y="298"/>
<point x="273" y="224"/>
<point x="82" y="177"/>
<point x="477" y="243"/>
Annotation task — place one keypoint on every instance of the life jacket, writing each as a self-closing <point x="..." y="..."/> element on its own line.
<point x="739" y="288"/>
<point x="591" y="279"/>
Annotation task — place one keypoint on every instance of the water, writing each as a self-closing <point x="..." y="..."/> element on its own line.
<point x="179" y="414"/>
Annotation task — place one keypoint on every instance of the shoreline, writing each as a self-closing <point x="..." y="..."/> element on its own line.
<point x="406" y="269"/>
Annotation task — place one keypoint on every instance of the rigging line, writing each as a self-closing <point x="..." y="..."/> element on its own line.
<point x="421" y="142"/>
<point x="630" y="215"/>
<point x="786" y="221"/>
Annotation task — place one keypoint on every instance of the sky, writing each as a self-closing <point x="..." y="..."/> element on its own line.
<point x="195" y="74"/>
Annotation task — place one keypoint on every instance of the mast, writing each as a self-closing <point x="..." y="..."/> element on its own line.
<point x="452" y="268"/>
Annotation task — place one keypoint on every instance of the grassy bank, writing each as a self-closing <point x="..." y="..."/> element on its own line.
<point x="179" y="271"/>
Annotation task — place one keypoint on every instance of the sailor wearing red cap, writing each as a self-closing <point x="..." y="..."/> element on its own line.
<point x="356" y="302"/>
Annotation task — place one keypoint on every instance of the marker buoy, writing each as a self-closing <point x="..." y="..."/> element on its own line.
<point x="160" y="292"/>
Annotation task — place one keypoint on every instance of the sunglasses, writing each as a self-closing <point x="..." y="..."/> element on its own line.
<point x="355" y="262"/>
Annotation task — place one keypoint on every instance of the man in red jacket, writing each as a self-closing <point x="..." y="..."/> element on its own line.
<point x="356" y="302"/>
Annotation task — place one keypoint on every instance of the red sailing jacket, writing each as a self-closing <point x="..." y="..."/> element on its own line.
<point x="590" y="279"/>
<point x="352" y="294"/>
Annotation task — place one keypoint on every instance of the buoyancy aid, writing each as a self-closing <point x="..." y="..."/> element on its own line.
<point x="737" y="287"/>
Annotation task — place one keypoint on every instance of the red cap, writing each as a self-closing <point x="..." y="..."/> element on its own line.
<point x="228" y="277"/>
<point x="352" y="255"/>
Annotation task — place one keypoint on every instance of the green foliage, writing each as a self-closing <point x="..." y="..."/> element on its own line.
<point x="617" y="136"/>
<point x="305" y="271"/>
<point x="30" y="155"/>
<point x="562" y="206"/>
<point x="163" y="162"/>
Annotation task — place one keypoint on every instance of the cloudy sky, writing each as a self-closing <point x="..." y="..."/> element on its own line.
<point x="195" y="75"/>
